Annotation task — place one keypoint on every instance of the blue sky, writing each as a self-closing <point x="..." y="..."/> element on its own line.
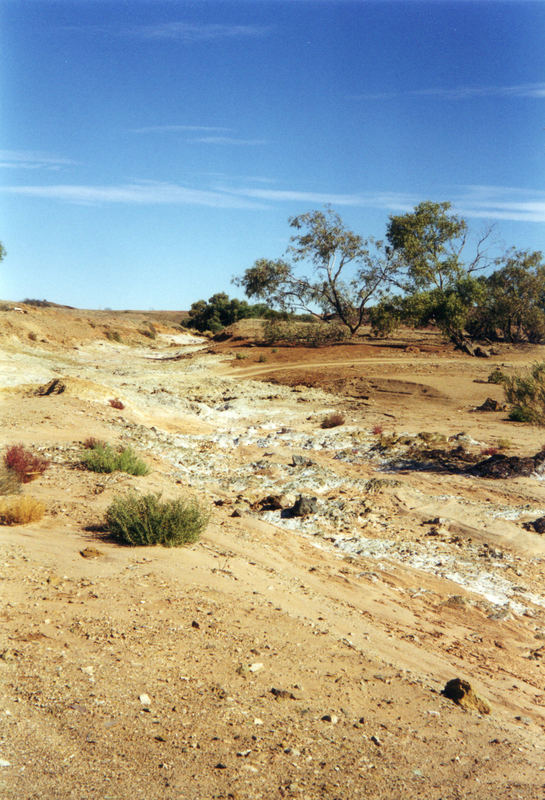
<point x="149" y="151"/>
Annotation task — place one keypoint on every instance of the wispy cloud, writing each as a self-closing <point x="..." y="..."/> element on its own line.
<point x="227" y="140"/>
<point x="181" y="129"/>
<point x="502" y="203"/>
<point x="30" y="159"/>
<point x="534" y="90"/>
<point x="389" y="200"/>
<point x="477" y="202"/>
<point x="190" y="32"/>
<point x="137" y="193"/>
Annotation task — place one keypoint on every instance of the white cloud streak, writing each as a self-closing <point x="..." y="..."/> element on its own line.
<point x="532" y="90"/>
<point x="227" y="140"/>
<point x="189" y="32"/>
<point x="30" y="159"/>
<point x="138" y="193"/>
<point x="477" y="202"/>
<point x="181" y="129"/>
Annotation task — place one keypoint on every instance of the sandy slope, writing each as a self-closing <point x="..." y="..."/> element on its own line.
<point x="356" y="616"/>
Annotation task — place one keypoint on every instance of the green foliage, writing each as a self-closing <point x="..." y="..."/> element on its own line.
<point x="113" y="336"/>
<point x="3" y="252"/>
<point x="430" y="242"/>
<point x="386" y="317"/>
<point x="513" y="307"/>
<point x="147" y="520"/>
<point x="346" y="271"/>
<point x="526" y="395"/>
<point x="496" y="376"/>
<point x="220" y="311"/>
<point x="103" y="458"/>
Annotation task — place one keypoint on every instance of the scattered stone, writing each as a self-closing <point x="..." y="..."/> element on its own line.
<point x="304" y="506"/>
<point x="502" y="466"/>
<point x="236" y="513"/>
<point x="90" y="552"/>
<point x="283" y="694"/>
<point x="538" y="525"/>
<point x="195" y="624"/>
<point x="257" y="667"/>
<point x="221" y="766"/>
<point x="462" y="694"/>
<point x="376" y="740"/>
<point x="145" y="700"/>
<point x="523" y="719"/>
<point x="301" y="461"/>
<point x="56" y="386"/>
<point x="333" y="718"/>
<point x="490" y="405"/>
<point x="243" y="753"/>
<point x="273" y="502"/>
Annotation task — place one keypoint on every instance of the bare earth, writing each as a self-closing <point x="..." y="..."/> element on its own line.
<point x="281" y="656"/>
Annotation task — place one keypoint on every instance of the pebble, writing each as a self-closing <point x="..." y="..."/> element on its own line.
<point x="145" y="700"/>
<point x="330" y="718"/>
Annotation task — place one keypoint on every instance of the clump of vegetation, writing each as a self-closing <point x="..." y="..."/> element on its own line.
<point x="103" y="458"/>
<point x="262" y="359"/>
<point x="92" y="442"/>
<point x="221" y="310"/>
<point x="150" y="331"/>
<point x="377" y="430"/>
<point x="240" y="356"/>
<point x="504" y="444"/>
<point x="147" y="520"/>
<point x="33" y="336"/>
<point x="115" y="402"/>
<point x="20" y="510"/>
<point x="113" y="336"/>
<point x="333" y="420"/>
<point x="26" y="465"/>
<point x="313" y="334"/>
<point x="490" y="451"/>
<point x="496" y="376"/>
<point x="526" y="395"/>
<point x="10" y="482"/>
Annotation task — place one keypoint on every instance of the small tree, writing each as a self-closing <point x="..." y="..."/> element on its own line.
<point x="514" y="302"/>
<point x="3" y="253"/>
<point x="441" y="287"/>
<point x="346" y="271"/>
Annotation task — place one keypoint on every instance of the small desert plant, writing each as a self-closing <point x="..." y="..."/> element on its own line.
<point x="150" y="331"/>
<point x="10" y="482"/>
<point x="113" y="336"/>
<point x="333" y="420"/>
<point x="115" y="402"/>
<point x="504" y="444"/>
<point x="262" y="359"/>
<point x="496" y="376"/>
<point x="378" y="430"/>
<point x="490" y="451"/>
<point x="20" y="510"/>
<point x="526" y="395"/>
<point x="91" y="442"/>
<point x="33" y="336"/>
<point x="240" y="356"/>
<point x="147" y="520"/>
<point x="103" y="458"/>
<point x="24" y="463"/>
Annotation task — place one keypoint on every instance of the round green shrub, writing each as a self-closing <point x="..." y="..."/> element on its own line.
<point x="138" y="520"/>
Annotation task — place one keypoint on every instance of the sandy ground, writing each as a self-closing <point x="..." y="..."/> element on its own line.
<point x="280" y="656"/>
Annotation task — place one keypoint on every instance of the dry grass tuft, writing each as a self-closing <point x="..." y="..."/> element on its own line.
<point x="20" y="510"/>
<point x="333" y="420"/>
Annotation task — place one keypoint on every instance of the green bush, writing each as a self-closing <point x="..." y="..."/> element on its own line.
<point x="139" y="520"/>
<point x="103" y="458"/>
<point x="496" y="376"/>
<point x="526" y="395"/>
